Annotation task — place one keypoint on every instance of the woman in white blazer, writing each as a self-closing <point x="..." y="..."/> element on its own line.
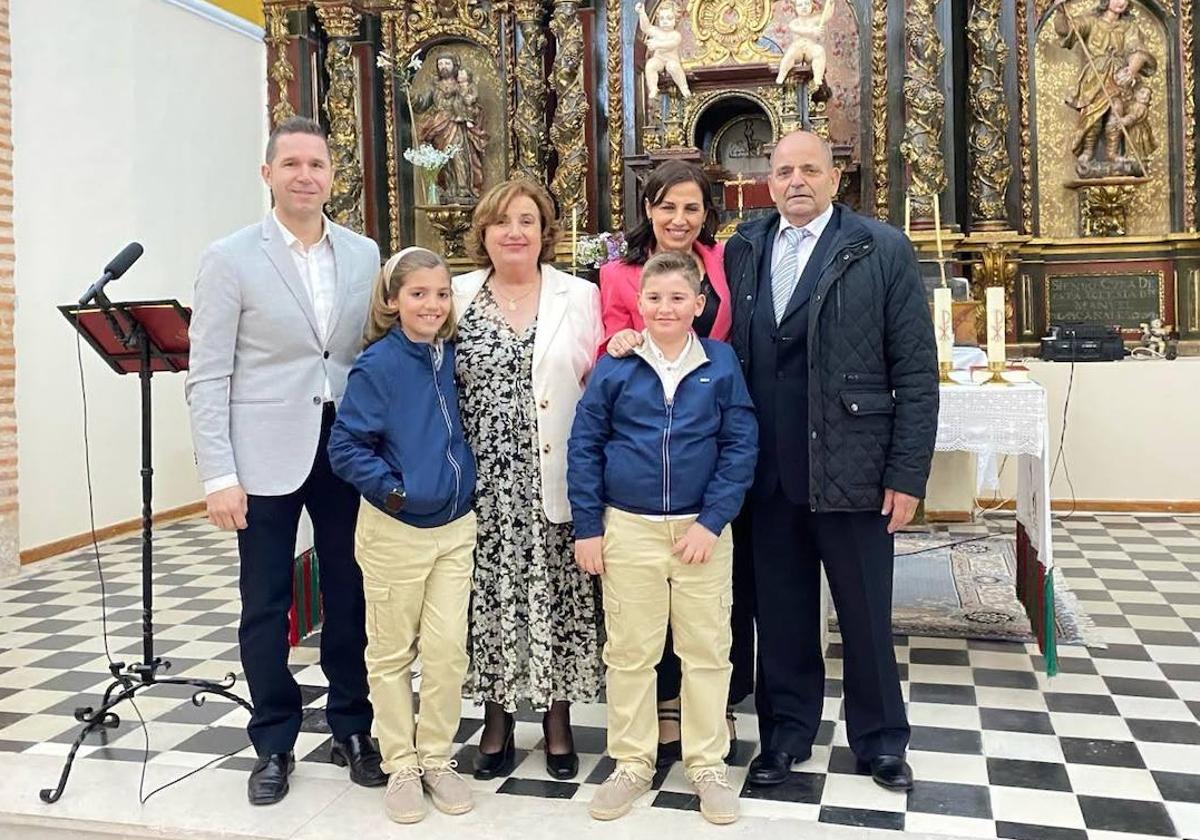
<point x="527" y="339"/>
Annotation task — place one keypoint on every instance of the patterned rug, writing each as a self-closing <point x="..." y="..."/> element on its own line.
<point x="969" y="591"/>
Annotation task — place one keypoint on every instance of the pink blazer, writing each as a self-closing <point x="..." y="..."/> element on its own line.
<point x="620" y="283"/>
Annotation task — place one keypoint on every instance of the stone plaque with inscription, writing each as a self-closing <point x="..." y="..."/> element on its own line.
<point x="1120" y="299"/>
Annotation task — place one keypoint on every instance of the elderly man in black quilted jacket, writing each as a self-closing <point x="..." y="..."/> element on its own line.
<point x="832" y="327"/>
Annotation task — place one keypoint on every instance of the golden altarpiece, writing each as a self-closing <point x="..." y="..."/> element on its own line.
<point x="1057" y="141"/>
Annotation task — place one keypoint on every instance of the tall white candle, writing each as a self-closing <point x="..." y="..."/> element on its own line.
<point x="908" y="214"/>
<point x="943" y="324"/>
<point x="995" y="324"/>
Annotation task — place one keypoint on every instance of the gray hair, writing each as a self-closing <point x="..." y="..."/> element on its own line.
<point x="825" y="146"/>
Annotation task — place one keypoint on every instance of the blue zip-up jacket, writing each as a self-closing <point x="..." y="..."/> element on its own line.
<point x="635" y="450"/>
<point x="398" y="427"/>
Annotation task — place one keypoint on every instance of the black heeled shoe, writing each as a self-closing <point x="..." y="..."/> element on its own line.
<point x="731" y="723"/>
<point x="669" y="751"/>
<point x="490" y="765"/>
<point x="560" y="766"/>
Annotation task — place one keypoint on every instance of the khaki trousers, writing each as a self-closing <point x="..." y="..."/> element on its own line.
<point x="645" y="586"/>
<point x="417" y="583"/>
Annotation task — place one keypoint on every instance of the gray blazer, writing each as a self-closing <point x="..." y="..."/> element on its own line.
<point x="258" y="366"/>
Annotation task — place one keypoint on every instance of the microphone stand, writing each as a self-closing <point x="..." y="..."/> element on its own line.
<point x="131" y="679"/>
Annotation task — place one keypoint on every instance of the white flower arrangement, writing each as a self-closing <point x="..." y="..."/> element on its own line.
<point x="597" y="250"/>
<point x="429" y="157"/>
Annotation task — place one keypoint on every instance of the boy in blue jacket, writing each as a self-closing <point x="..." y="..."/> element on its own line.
<point x="661" y="453"/>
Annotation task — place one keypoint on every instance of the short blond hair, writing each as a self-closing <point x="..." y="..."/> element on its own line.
<point x="672" y="262"/>
<point x="382" y="317"/>
<point x="490" y="211"/>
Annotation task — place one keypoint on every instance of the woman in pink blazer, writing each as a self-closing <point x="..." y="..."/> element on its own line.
<point x="676" y="213"/>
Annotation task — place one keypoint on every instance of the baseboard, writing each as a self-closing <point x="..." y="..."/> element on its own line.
<point x="53" y="549"/>
<point x="1104" y="505"/>
<point x="947" y="516"/>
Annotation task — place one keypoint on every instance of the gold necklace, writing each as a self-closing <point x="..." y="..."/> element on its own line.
<point x="513" y="301"/>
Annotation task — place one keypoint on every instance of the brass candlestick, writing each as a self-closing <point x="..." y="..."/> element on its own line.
<point x="944" y="369"/>
<point x="997" y="371"/>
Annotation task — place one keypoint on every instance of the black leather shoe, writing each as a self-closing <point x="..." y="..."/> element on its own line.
<point x="771" y="767"/>
<point x="490" y="765"/>
<point x="269" y="779"/>
<point x="889" y="771"/>
<point x="360" y="753"/>
<point x="560" y="765"/>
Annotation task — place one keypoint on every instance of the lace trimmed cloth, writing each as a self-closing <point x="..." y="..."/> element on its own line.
<point x="992" y="421"/>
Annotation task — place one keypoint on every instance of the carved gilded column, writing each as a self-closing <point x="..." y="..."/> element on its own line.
<point x="391" y="30"/>
<point x="567" y="131"/>
<point x="925" y="108"/>
<point x="879" y="105"/>
<point x="616" y="117"/>
<point x="1024" y="134"/>
<point x="990" y="167"/>
<point x="341" y="23"/>
<point x="1187" y="38"/>
<point x="531" y="92"/>
<point x="279" y="72"/>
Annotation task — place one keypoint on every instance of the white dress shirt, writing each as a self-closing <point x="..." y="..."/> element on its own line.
<point x="807" y="243"/>
<point x="317" y="269"/>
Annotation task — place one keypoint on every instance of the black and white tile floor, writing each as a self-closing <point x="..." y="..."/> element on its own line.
<point x="1110" y="748"/>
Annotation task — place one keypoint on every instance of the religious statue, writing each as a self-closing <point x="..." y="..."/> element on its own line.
<point x="1131" y="120"/>
<point x="1109" y="95"/>
<point x="662" y="45"/>
<point x="450" y="115"/>
<point x="1156" y="337"/>
<point x="808" y="36"/>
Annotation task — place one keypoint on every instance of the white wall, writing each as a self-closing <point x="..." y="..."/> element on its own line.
<point x="1133" y="434"/>
<point x="132" y="120"/>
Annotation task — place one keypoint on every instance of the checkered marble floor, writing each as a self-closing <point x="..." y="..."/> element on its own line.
<point x="1110" y="748"/>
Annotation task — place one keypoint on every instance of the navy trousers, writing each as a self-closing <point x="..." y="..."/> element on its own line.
<point x="267" y="549"/>
<point x="789" y="545"/>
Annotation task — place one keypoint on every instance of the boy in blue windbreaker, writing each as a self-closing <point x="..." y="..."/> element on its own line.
<point x="399" y="440"/>
<point x="661" y="453"/>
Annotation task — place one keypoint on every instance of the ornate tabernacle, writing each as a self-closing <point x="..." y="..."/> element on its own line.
<point x="1059" y="138"/>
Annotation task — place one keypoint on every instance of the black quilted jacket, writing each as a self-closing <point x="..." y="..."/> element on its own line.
<point x="873" y="383"/>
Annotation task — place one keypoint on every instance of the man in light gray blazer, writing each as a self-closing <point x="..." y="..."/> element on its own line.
<point x="276" y="324"/>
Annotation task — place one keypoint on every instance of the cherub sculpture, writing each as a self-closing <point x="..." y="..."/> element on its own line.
<point x="662" y="45"/>
<point x="1157" y="337"/>
<point x="808" y="35"/>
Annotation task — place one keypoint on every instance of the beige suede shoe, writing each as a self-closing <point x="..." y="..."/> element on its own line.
<point x="404" y="801"/>
<point x="616" y="796"/>
<point x="718" y="801"/>
<point x="449" y="791"/>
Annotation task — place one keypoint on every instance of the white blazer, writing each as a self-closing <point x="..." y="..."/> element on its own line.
<point x="569" y="329"/>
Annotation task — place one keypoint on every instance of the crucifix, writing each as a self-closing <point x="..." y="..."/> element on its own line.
<point x="740" y="183"/>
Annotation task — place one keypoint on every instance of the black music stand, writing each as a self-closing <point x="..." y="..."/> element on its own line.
<point x="143" y="337"/>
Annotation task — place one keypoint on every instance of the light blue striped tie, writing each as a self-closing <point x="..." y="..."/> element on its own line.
<point x="787" y="273"/>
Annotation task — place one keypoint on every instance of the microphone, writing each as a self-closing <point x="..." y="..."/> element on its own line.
<point x="117" y="266"/>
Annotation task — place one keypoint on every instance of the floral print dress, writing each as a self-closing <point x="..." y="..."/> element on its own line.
<point x="535" y="617"/>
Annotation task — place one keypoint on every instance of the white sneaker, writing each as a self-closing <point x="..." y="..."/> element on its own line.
<point x="616" y="796"/>
<point x="405" y="799"/>
<point x="718" y="801"/>
<point x="448" y="790"/>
